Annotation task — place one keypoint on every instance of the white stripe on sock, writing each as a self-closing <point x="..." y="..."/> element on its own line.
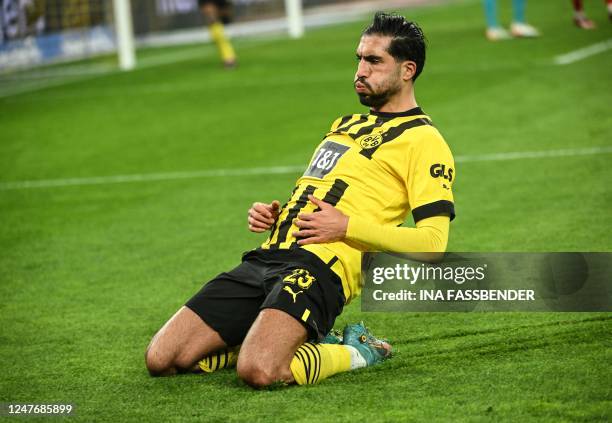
<point x="357" y="360"/>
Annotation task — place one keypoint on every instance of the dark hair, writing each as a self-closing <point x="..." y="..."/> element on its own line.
<point x="407" y="39"/>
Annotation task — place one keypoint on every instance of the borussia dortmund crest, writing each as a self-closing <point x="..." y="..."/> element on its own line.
<point x="371" y="141"/>
<point x="301" y="277"/>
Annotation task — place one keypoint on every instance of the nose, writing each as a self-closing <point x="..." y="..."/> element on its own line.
<point x="363" y="69"/>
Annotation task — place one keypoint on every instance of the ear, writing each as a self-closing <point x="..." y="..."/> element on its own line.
<point x="408" y="70"/>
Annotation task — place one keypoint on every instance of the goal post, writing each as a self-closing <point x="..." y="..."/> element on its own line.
<point x="40" y="32"/>
<point x="124" y="33"/>
<point x="295" y="20"/>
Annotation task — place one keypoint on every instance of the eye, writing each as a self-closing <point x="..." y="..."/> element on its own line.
<point x="374" y="60"/>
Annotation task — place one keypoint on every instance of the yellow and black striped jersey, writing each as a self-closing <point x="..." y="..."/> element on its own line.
<point x="379" y="166"/>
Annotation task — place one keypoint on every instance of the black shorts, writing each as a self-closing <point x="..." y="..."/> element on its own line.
<point x="294" y="281"/>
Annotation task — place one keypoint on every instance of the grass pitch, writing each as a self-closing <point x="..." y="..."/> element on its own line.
<point x="88" y="273"/>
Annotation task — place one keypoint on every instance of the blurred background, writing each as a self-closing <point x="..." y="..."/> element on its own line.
<point x="44" y="31"/>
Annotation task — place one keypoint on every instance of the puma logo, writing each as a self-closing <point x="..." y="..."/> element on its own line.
<point x="293" y="294"/>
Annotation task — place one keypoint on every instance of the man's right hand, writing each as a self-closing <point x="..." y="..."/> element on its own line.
<point x="262" y="216"/>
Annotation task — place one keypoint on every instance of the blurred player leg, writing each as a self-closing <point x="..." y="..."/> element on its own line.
<point x="495" y="31"/>
<point x="518" y="11"/>
<point x="215" y="13"/>
<point x="580" y="19"/>
<point x="519" y="27"/>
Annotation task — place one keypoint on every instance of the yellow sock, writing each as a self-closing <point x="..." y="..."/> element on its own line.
<point x="314" y="362"/>
<point x="220" y="360"/>
<point x="223" y="44"/>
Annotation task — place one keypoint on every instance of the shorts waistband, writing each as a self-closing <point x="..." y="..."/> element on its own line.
<point x="287" y="255"/>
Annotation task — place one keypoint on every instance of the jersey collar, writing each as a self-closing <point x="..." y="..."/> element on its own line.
<point x="412" y="112"/>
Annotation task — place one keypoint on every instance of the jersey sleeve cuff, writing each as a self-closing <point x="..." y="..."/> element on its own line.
<point x="432" y="209"/>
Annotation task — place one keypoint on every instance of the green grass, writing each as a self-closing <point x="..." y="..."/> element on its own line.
<point x="89" y="273"/>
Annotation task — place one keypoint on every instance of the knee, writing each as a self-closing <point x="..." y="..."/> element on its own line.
<point x="256" y="375"/>
<point x="158" y="364"/>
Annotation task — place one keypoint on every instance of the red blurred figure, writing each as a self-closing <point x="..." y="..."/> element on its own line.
<point x="580" y="18"/>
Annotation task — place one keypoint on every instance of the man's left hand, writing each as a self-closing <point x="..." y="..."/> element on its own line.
<point x="326" y="225"/>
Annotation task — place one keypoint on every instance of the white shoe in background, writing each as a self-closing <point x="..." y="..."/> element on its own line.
<point x="523" y="30"/>
<point x="497" y="33"/>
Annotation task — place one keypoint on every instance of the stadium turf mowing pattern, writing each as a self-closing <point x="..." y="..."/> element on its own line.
<point x="88" y="273"/>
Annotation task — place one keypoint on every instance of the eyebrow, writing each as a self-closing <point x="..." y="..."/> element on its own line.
<point x="369" y="58"/>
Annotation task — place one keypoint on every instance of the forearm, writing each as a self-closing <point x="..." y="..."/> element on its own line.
<point x="430" y="235"/>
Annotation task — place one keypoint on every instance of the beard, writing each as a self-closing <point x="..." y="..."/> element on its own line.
<point x="374" y="101"/>
<point x="377" y="99"/>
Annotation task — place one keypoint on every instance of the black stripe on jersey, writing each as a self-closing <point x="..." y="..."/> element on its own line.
<point x="344" y="120"/>
<point x="276" y="222"/>
<point x="395" y="132"/>
<point x="362" y="118"/>
<point x="332" y="197"/>
<point x="434" y="209"/>
<point x="283" y="228"/>
<point x="367" y="129"/>
<point x="335" y="193"/>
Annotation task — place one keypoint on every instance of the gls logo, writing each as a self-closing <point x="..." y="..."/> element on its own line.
<point x="439" y="170"/>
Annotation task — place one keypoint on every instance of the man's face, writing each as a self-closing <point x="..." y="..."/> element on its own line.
<point x="378" y="76"/>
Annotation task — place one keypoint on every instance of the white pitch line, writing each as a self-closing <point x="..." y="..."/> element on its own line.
<point x="517" y="155"/>
<point x="583" y="53"/>
<point x="58" y="72"/>
<point x="277" y="170"/>
<point x="148" y="177"/>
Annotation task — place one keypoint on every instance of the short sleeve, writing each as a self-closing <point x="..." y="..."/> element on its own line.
<point x="430" y="178"/>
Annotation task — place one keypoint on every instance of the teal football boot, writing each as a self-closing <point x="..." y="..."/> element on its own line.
<point x="372" y="349"/>
<point x="333" y="337"/>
